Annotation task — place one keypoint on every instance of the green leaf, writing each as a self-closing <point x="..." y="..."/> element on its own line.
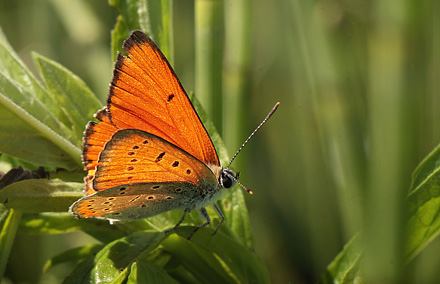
<point x="14" y="69"/>
<point x="155" y="18"/>
<point x="29" y="138"/>
<point x="3" y="212"/>
<point x="423" y="205"/>
<point x="7" y="163"/>
<point x="215" y="258"/>
<point x="422" y="226"/>
<point x="41" y="195"/>
<point x="114" y="261"/>
<point x="74" y="254"/>
<point x="234" y="207"/>
<point x="70" y="93"/>
<point x="41" y="132"/>
<point x="144" y="271"/>
<point x="7" y="236"/>
<point x="60" y="223"/>
<point x="127" y="21"/>
<point x="426" y="169"/>
<point x="345" y="268"/>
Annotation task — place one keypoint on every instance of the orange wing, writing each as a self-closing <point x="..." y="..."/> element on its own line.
<point x="146" y="94"/>
<point x="133" y="156"/>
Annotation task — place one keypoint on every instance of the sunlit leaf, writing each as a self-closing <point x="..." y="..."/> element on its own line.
<point x="70" y="92"/>
<point x="345" y="268"/>
<point x="41" y="195"/>
<point x="143" y="271"/>
<point x="115" y="258"/>
<point x="74" y="254"/>
<point x="423" y="205"/>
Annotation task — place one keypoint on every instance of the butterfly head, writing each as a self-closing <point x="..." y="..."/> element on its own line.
<point x="228" y="178"/>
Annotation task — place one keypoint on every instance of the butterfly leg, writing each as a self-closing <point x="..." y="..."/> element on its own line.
<point x="186" y="211"/>
<point x="220" y="213"/>
<point x="208" y="221"/>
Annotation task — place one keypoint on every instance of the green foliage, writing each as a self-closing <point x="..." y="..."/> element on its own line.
<point x="422" y="223"/>
<point x="423" y="205"/>
<point x="359" y="109"/>
<point x="62" y="86"/>
<point x="40" y="195"/>
<point x="41" y="132"/>
<point x="48" y="129"/>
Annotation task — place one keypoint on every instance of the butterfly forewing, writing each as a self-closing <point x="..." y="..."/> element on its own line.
<point x="134" y="156"/>
<point x="95" y="138"/>
<point x="145" y="94"/>
<point x="137" y="201"/>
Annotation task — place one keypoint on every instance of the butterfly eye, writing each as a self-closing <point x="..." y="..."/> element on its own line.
<point x="227" y="178"/>
<point x="226" y="181"/>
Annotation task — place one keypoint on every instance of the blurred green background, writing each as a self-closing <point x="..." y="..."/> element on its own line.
<point x="359" y="87"/>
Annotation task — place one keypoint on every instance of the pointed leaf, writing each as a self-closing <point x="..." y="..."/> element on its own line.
<point x="143" y="271"/>
<point x="216" y="258"/>
<point x="345" y="268"/>
<point x="128" y="21"/>
<point x="155" y="19"/>
<point x="70" y="92"/>
<point x="74" y="254"/>
<point x="7" y="236"/>
<point x="116" y="258"/>
<point x="41" y="195"/>
<point x="423" y="205"/>
<point x="29" y="138"/>
<point x="35" y="96"/>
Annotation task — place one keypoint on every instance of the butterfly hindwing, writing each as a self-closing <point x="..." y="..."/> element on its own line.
<point x="134" y="156"/>
<point x="137" y="201"/>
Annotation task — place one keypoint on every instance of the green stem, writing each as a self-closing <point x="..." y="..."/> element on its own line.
<point x="73" y="151"/>
<point x="156" y="19"/>
<point x="209" y="59"/>
<point x="385" y="194"/>
<point x="235" y="73"/>
<point x="7" y="237"/>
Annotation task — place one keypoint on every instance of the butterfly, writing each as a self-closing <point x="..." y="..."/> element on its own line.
<point x="149" y="152"/>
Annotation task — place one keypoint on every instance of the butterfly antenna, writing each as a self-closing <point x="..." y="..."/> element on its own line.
<point x="239" y="183"/>
<point x="249" y="138"/>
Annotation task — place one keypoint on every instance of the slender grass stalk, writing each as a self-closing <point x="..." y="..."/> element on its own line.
<point x="434" y="69"/>
<point x="384" y="199"/>
<point x="156" y="19"/>
<point x="334" y="106"/>
<point x="7" y="236"/>
<point x="310" y="62"/>
<point x="168" y="30"/>
<point x="209" y="49"/>
<point x="235" y="72"/>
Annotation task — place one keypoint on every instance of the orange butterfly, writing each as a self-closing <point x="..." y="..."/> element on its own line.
<point x="149" y="153"/>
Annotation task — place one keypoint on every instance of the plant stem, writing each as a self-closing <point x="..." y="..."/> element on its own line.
<point x="7" y="237"/>
<point x="209" y="59"/>
<point x="385" y="194"/>
<point x="235" y="72"/>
